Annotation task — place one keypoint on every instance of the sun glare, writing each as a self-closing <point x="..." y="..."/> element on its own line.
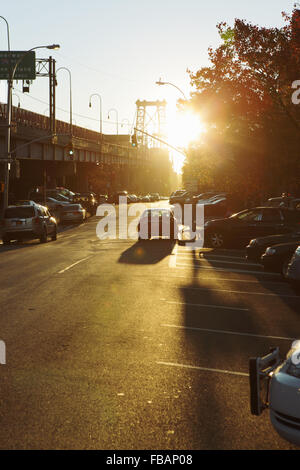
<point x="184" y="128"/>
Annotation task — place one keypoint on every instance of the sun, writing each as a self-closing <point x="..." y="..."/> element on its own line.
<point x="183" y="128"/>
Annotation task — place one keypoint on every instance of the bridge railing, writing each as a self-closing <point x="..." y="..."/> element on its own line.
<point x="30" y="119"/>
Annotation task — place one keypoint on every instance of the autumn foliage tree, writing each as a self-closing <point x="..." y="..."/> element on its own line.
<point x="252" y="145"/>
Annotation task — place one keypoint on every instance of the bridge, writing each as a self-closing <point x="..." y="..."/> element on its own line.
<point x="102" y="163"/>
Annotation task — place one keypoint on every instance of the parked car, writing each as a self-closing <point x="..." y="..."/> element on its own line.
<point x="67" y="193"/>
<point x="56" y="194"/>
<point x="277" y="257"/>
<point x="257" y="246"/>
<point x="183" y="198"/>
<point x="25" y="222"/>
<point x="73" y="213"/>
<point x="157" y="222"/>
<point x="293" y="269"/>
<point x="88" y="201"/>
<point x="242" y="227"/>
<point x="208" y="197"/>
<point x="52" y="204"/>
<point x="177" y="192"/>
<point x="114" y="199"/>
<point x="215" y="208"/>
<point x="284" y="201"/>
<point x="102" y="198"/>
<point x="155" y="196"/>
<point x="132" y="198"/>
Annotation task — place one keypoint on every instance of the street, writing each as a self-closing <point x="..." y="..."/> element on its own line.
<point x="119" y="344"/>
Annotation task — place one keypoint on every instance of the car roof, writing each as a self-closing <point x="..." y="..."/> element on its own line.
<point x="158" y="209"/>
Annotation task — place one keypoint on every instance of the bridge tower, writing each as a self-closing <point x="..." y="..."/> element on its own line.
<point x="150" y="118"/>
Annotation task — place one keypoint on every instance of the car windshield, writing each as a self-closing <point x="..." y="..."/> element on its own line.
<point x="19" y="213"/>
<point x="60" y="197"/>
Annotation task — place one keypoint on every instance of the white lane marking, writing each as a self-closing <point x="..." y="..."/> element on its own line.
<point x="219" y="279"/>
<point x="227" y="270"/>
<point x="204" y="305"/>
<point x="207" y="330"/>
<point x="207" y="369"/>
<point x="213" y="260"/>
<point x="240" y="292"/>
<point x="207" y="256"/>
<point x="173" y="256"/>
<point x="72" y="265"/>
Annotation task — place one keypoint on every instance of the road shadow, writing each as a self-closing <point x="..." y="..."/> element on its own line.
<point x="147" y="252"/>
<point x="224" y="397"/>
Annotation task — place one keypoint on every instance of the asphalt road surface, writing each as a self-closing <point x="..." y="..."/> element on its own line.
<point x="119" y="344"/>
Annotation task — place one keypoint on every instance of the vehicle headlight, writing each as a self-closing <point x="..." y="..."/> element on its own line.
<point x="293" y="360"/>
<point x="270" y="251"/>
<point x="253" y="242"/>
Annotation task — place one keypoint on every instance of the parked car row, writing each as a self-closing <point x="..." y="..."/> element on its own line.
<point x="271" y="236"/>
<point x="65" y="205"/>
<point x="132" y="198"/>
<point x="270" y="233"/>
<point x="221" y="204"/>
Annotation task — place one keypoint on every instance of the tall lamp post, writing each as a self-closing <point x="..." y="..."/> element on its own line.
<point x="100" y="111"/>
<point x="70" y="96"/>
<point x="172" y="84"/>
<point x="7" y="27"/>
<point x="8" y="120"/>
<point x="90" y="105"/>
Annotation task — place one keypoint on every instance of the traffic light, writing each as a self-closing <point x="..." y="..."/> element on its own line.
<point x="70" y="151"/>
<point x="134" y="142"/>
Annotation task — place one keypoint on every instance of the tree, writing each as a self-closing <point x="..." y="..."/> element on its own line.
<point x="245" y="97"/>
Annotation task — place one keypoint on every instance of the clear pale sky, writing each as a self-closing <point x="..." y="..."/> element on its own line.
<point x="119" y="48"/>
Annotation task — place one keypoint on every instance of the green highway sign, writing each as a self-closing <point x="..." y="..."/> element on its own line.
<point x="25" y="69"/>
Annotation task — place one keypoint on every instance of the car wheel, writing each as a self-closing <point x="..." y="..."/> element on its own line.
<point x="6" y="241"/>
<point x="43" y="238"/>
<point x="54" y="236"/>
<point x="216" y="240"/>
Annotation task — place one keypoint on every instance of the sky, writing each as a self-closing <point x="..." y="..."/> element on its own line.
<point x="119" y="49"/>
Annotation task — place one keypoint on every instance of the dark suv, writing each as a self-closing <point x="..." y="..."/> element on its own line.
<point x="242" y="227"/>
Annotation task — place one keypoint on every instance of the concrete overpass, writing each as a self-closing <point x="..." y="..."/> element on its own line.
<point x="103" y="163"/>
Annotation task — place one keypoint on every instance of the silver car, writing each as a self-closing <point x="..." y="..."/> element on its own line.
<point x="28" y="221"/>
<point x="72" y="213"/>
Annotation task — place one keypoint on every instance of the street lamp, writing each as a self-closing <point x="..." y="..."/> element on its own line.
<point x="70" y="81"/>
<point x="8" y="117"/>
<point x="7" y="27"/>
<point x="172" y="84"/>
<point x="113" y="109"/>
<point x="90" y="105"/>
